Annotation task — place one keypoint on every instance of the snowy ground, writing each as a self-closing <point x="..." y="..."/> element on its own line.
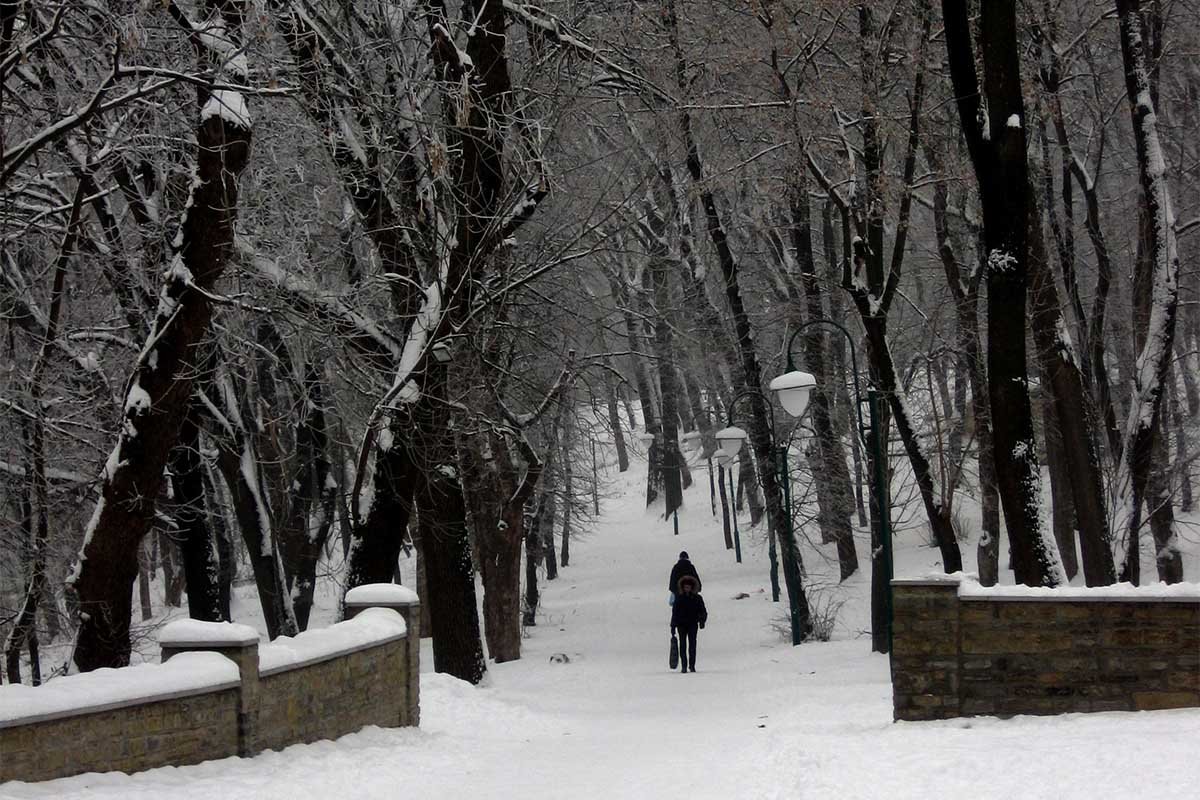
<point x="760" y="719"/>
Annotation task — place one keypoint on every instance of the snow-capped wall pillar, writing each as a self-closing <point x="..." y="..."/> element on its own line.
<point x="407" y="604"/>
<point x="238" y="643"/>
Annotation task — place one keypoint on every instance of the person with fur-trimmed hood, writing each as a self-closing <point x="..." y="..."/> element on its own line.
<point x="687" y="615"/>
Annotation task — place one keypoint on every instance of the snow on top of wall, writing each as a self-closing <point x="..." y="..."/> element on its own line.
<point x="969" y="588"/>
<point x="1163" y="592"/>
<point x="381" y="593"/>
<point x="89" y="692"/>
<point x="371" y="627"/>
<point x="194" y="631"/>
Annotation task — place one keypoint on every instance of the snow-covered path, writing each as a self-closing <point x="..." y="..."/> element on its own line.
<point x="758" y="720"/>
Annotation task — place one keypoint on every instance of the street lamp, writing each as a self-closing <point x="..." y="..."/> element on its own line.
<point x="793" y="389"/>
<point x="730" y="439"/>
<point x="441" y="352"/>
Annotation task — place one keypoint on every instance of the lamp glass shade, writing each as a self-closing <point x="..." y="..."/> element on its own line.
<point x="441" y="352"/>
<point x="794" y="390"/>
<point x="730" y="440"/>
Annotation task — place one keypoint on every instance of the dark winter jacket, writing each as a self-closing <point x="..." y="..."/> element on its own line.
<point x="688" y="611"/>
<point x="681" y="568"/>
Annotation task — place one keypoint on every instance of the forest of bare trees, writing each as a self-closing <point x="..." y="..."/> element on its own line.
<point x="295" y="291"/>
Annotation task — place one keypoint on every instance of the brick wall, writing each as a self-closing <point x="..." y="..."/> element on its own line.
<point x="351" y="678"/>
<point x="963" y="653"/>
<point x="184" y="730"/>
<point x="331" y="698"/>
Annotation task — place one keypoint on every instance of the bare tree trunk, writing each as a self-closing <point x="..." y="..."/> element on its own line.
<point x="1062" y="501"/>
<point x="1156" y="283"/>
<point x="144" y="600"/>
<point x="533" y="557"/>
<point x="311" y="500"/>
<point x="159" y="390"/>
<point x="1081" y="471"/>
<point x="201" y="563"/>
<point x="997" y="144"/>
<point x="614" y="414"/>
<point x="568" y="489"/>
<point x="724" y="507"/>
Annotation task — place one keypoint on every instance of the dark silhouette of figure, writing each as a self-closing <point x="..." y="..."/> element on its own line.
<point x="687" y="615"/>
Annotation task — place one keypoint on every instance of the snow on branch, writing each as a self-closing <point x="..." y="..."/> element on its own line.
<point x="362" y="333"/>
<point x="554" y="30"/>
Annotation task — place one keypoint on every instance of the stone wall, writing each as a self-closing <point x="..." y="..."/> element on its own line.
<point x="139" y="736"/>
<point x="218" y="694"/>
<point x="961" y="650"/>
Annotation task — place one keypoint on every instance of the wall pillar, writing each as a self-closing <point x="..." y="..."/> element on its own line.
<point x="238" y="643"/>
<point x="407" y="604"/>
<point x="925" y="651"/>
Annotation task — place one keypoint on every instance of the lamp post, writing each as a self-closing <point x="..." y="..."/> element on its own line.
<point x="793" y="389"/>
<point x="730" y="440"/>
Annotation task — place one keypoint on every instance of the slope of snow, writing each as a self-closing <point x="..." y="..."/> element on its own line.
<point x="760" y="719"/>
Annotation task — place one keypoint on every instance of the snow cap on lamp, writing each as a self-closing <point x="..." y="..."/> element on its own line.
<point x="793" y="390"/>
<point x="730" y="440"/>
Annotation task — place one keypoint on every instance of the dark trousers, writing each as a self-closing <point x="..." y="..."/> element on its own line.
<point x="687" y="648"/>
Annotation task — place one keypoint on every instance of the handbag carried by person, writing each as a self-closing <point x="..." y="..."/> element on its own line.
<point x="674" y="659"/>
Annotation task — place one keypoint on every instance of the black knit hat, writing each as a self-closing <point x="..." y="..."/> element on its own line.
<point x="683" y="554"/>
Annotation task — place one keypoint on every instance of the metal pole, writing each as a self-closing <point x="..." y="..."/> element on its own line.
<point x="785" y="486"/>
<point x="878" y="448"/>
<point x="881" y="501"/>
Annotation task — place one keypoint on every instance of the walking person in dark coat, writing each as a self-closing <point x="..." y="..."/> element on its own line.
<point x="681" y="568"/>
<point x="687" y="615"/>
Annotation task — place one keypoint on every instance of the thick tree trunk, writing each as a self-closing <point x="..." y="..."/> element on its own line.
<point x="375" y="544"/>
<point x="500" y="568"/>
<point x="614" y="415"/>
<point x="247" y="490"/>
<point x="533" y="557"/>
<point x="1062" y="501"/>
<point x="834" y="494"/>
<point x="1156" y="284"/>
<point x="997" y="144"/>
<point x="311" y="498"/>
<point x="457" y="646"/>
<point x="159" y="390"/>
<point x="1080" y="470"/>
<point x="226" y="555"/>
<point x="201" y="563"/>
<point x="724" y="507"/>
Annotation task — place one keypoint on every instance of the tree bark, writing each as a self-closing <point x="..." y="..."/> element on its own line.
<point x="159" y="390"/>
<point x="1156" y="283"/>
<point x="997" y="145"/>
<point x="201" y="563"/>
<point x="1080" y="469"/>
